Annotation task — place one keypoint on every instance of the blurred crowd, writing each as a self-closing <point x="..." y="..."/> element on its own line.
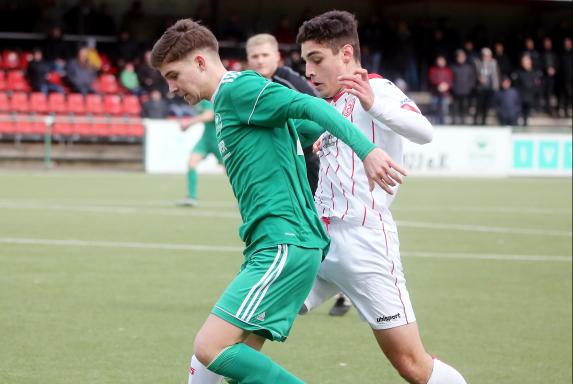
<point x="470" y="76"/>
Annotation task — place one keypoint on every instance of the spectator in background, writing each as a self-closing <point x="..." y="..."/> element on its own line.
<point x="549" y="67"/>
<point x="129" y="80"/>
<point x="507" y="103"/>
<point x="471" y="54"/>
<point x="54" y="48"/>
<point x="566" y="76"/>
<point x="503" y="62"/>
<point x="441" y="79"/>
<point x="127" y="49"/>
<point x="487" y="84"/>
<point x="527" y="82"/>
<point x="284" y="31"/>
<point x="179" y="107"/>
<point x="156" y="107"/>
<point x="464" y="82"/>
<point x="529" y="45"/>
<point x="294" y="61"/>
<point x="233" y="29"/>
<point x="38" y="73"/>
<point x="149" y="77"/>
<point x="80" y="74"/>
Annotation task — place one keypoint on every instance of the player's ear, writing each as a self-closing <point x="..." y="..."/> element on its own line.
<point x="347" y="53"/>
<point x="201" y="62"/>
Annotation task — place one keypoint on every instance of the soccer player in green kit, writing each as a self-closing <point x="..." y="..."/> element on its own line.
<point x="207" y="144"/>
<point x="257" y="126"/>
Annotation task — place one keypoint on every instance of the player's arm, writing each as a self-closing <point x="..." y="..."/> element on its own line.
<point x="308" y="132"/>
<point x="274" y="104"/>
<point x="392" y="108"/>
<point x="202" y="117"/>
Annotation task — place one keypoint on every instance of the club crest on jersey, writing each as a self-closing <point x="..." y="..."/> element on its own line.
<point x="349" y="107"/>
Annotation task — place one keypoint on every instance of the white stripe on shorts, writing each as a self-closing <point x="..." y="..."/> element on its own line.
<point x="279" y="270"/>
<point x="262" y="281"/>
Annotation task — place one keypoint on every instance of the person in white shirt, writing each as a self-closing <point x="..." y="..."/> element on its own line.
<point x="364" y="259"/>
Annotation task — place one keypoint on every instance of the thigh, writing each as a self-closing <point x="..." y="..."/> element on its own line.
<point x="322" y="290"/>
<point x="267" y="294"/>
<point x="365" y="263"/>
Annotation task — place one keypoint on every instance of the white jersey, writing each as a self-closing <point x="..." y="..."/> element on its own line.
<point x="343" y="191"/>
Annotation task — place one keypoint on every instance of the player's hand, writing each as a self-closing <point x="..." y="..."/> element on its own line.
<point x="358" y="85"/>
<point x="317" y="146"/>
<point x="382" y="170"/>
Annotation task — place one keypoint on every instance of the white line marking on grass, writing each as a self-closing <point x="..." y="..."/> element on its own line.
<point x="186" y="212"/>
<point x="237" y="249"/>
<point x="483" y="228"/>
<point x="120" y="244"/>
<point x="490" y="209"/>
<point x="235" y="215"/>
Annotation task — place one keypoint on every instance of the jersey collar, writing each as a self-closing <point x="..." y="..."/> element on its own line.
<point x="218" y="86"/>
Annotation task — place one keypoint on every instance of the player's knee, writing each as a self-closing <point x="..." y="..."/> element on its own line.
<point x="411" y="370"/>
<point x="204" y="351"/>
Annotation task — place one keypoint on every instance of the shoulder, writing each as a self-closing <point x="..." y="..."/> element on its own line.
<point x="289" y="78"/>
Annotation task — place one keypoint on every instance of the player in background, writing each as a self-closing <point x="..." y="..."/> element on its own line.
<point x="364" y="259"/>
<point x="257" y="124"/>
<point x="264" y="57"/>
<point x="207" y="144"/>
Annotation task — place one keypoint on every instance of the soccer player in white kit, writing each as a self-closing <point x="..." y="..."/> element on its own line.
<point x="364" y="257"/>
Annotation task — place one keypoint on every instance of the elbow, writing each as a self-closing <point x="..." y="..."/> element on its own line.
<point x="426" y="135"/>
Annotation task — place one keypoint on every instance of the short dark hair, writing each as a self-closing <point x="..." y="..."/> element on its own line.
<point x="334" y="29"/>
<point x="179" y="40"/>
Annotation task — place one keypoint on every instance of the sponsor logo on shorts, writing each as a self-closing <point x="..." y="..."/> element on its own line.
<point x="261" y="316"/>
<point x="191" y="371"/>
<point x="383" y="319"/>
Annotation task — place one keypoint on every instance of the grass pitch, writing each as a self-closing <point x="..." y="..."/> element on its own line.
<point x="104" y="280"/>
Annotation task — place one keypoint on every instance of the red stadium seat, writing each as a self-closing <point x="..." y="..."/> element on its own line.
<point x="10" y="60"/>
<point x="4" y="103"/>
<point x="7" y="124"/>
<point x="112" y="104"/>
<point x="84" y="129"/>
<point x="136" y="129"/>
<point x="2" y="81"/>
<point x="131" y="105"/>
<point x="94" y="105"/>
<point x="62" y="129"/>
<point x="76" y="103"/>
<point x="19" y="103"/>
<point x="57" y="103"/>
<point x="38" y="102"/>
<point x="107" y="83"/>
<point x="16" y="81"/>
<point x="102" y="129"/>
<point x="24" y="59"/>
<point x="26" y="127"/>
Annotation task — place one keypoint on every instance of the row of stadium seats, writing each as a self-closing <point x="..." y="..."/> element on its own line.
<point x="15" y="80"/>
<point x="69" y="128"/>
<point x="14" y="60"/>
<point x="73" y="103"/>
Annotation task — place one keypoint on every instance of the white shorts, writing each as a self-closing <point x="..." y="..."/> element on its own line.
<point x="364" y="263"/>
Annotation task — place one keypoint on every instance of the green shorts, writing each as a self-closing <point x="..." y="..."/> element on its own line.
<point x="270" y="289"/>
<point x="205" y="146"/>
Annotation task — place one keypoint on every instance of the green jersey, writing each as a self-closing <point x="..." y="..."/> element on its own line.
<point x="256" y="124"/>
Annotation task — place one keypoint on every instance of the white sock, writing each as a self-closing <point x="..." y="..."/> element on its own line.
<point x="199" y="374"/>
<point x="444" y="374"/>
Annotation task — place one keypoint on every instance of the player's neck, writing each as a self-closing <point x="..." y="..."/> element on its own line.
<point x="216" y="75"/>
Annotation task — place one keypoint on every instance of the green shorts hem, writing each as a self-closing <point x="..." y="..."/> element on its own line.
<point x="256" y="329"/>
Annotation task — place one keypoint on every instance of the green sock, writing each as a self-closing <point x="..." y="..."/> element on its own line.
<point x="248" y="366"/>
<point x="192" y="183"/>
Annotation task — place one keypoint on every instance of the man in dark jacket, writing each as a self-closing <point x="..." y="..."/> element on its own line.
<point x="507" y="103"/>
<point x="463" y="85"/>
<point x="38" y="72"/>
<point x="566" y="76"/>
<point x="527" y="82"/>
